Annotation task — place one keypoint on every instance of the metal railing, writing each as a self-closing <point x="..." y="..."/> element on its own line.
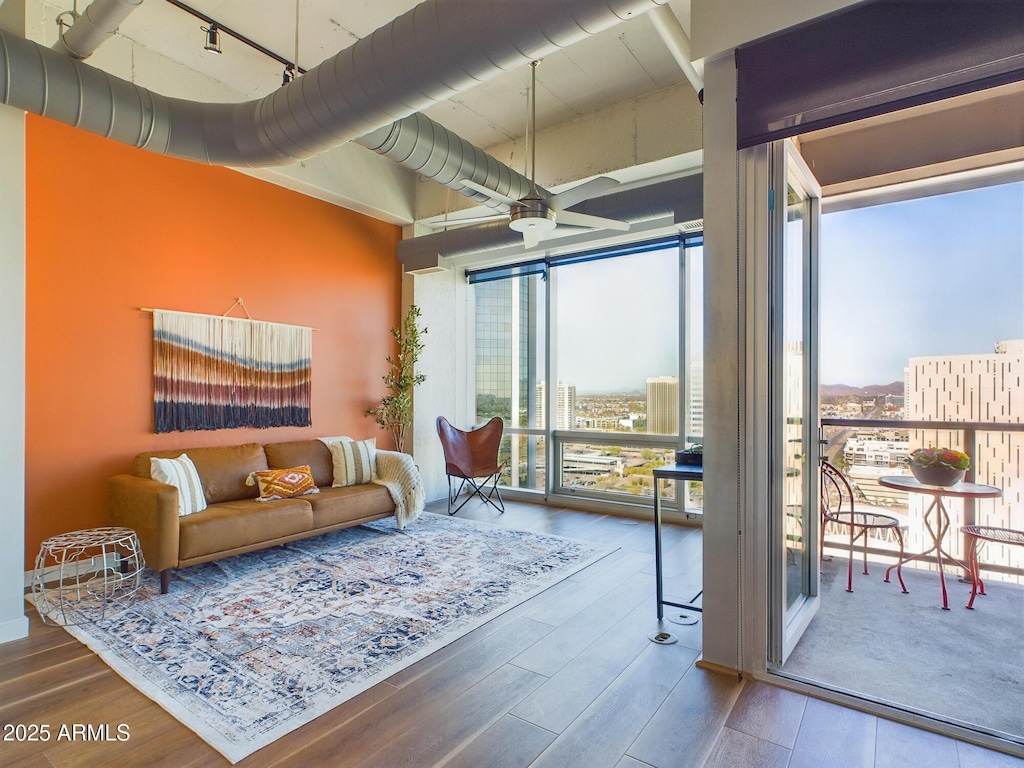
<point x="968" y="444"/>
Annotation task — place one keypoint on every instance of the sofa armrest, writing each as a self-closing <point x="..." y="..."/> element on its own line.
<point x="150" y="508"/>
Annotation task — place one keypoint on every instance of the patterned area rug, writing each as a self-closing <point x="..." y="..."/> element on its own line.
<point x="247" y="649"/>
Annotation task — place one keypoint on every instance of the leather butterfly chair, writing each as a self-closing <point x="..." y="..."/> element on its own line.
<point x="837" y="507"/>
<point x="470" y="457"/>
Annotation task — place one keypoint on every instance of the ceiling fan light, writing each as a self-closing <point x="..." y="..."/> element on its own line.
<point x="531" y="221"/>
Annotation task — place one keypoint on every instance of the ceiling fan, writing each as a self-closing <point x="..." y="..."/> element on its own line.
<point x="535" y="216"/>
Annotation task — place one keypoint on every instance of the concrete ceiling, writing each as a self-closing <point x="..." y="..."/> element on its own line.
<point x="602" y="104"/>
<point x="622" y="63"/>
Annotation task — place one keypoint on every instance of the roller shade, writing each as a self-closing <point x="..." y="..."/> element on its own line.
<point x="872" y="59"/>
<point x="541" y="266"/>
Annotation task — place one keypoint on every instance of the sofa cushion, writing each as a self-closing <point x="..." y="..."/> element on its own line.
<point x="295" y="454"/>
<point x="283" y="483"/>
<point x="355" y="461"/>
<point x="233" y="524"/>
<point x="223" y="469"/>
<point x="182" y="474"/>
<point x="333" y="506"/>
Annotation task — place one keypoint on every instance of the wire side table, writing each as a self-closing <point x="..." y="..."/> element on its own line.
<point x="87" y="575"/>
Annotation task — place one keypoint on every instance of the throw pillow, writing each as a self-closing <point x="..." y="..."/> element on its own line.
<point x="182" y="474"/>
<point x="355" y="461"/>
<point x="283" y="483"/>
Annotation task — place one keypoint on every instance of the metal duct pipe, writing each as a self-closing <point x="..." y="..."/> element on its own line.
<point x="94" y="27"/>
<point x="672" y="34"/>
<point x="432" y="52"/>
<point x="428" y="148"/>
<point x="680" y="198"/>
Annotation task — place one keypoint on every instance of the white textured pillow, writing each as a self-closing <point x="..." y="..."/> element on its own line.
<point x="355" y="461"/>
<point x="182" y="474"/>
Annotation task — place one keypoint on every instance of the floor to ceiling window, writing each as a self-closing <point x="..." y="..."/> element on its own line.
<point x="595" y="399"/>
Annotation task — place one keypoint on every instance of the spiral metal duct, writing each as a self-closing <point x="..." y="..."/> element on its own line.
<point x="432" y="52"/>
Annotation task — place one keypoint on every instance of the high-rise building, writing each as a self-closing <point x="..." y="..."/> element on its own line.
<point x="695" y="414"/>
<point x="504" y="335"/>
<point x="983" y="388"/>
<point x="565" y="412"/>
<point x="663" y="405"/>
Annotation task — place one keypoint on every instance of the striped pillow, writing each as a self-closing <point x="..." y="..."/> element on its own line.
<point x="355" y="461"/>
<point x="283" y="483"/>
<point x="182" y="474"/>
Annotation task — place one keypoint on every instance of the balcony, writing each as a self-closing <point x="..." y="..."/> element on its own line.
<point x="964" y="666"/>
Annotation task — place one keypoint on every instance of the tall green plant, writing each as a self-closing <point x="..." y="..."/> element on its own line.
<point x="394" y="413"/>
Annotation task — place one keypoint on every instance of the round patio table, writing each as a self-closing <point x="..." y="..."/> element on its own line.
<point x="976" y="533"/>
<point x="936" y="518"/>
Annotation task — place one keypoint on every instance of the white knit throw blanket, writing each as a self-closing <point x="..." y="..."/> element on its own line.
<point x="398" y="473"/>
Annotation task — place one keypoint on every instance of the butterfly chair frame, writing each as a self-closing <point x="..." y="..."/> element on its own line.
<point x="471" y="458"/>
<point x="837" y="506"/>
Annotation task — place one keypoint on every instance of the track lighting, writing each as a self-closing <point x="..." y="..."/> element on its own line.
<point x="289" y="74"/>
<point x="212" y="38"/>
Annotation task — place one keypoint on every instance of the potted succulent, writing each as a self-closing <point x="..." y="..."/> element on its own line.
<point x="939" y="466"/>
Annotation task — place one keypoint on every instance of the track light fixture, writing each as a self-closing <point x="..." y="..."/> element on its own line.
<point x="212" y="38"/>
<point x="213" y="31"/>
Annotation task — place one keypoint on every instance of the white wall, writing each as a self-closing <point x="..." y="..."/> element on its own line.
<point x="722" y="375"/>
<point x="718" y="26"/>
<point x="13" y="623"/>
<point x="443" y="299"/>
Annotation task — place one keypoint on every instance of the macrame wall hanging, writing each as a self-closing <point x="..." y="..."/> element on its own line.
<point x="219" y="372"/>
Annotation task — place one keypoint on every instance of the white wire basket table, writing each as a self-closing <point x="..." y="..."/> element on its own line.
<point x="85" y="576"/>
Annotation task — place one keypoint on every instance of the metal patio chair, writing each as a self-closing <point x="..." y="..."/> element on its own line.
<point x="837" y="506"/>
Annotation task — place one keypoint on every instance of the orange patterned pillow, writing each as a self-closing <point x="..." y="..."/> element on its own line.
<point x="283" y="483"/>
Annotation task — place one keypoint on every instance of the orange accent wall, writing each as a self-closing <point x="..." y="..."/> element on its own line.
<point x="111" y="229"/>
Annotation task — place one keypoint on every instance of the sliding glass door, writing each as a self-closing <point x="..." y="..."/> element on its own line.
<point x="794" y="517"/>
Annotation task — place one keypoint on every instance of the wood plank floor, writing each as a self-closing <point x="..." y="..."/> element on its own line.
<point x="566" y="679"/>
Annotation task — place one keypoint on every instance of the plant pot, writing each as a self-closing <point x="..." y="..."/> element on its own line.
<point x="937" y="474"/>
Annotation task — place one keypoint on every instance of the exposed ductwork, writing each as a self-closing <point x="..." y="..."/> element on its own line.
<point x="94" y="27"/>
<point x="681" y="198"/>
<point x="428" y="148"/>
<point x="434" y="51"/>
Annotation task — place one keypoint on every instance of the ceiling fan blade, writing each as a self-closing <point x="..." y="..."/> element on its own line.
<point x="574" y="219"/>
<point x="452" y="223"/>
<point x="489" y="192"/>
<point x="584" y="191"/>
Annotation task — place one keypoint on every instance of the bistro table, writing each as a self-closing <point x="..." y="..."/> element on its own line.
<point x="936" y="518"/>
<point x="671" y="472"/>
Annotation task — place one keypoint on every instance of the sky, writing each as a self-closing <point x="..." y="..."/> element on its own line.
<point x="617" y="321"/>
<point x="940" y="275"/>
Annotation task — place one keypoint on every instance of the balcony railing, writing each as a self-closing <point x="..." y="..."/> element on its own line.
<point x="964" y="435"/>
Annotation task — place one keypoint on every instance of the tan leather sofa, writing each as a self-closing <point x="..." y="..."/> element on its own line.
<point x="235" y="522"/>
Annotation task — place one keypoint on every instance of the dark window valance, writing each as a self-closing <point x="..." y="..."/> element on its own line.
<point x="872" y="59"/>
<point x="541" y="266"/>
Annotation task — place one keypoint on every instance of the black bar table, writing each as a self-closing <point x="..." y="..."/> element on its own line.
<point x="670" y="472"/>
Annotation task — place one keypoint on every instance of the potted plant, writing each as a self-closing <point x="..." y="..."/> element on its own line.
<point x="394" y="412"/>
<point x="939" y="466"/>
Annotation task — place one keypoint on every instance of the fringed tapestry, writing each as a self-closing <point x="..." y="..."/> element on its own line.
<point x="215" y="372"/>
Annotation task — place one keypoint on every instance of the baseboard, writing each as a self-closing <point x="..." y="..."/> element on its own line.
<point x="15" y="629"/>
<point x="710" y="666"/>
<point x="75" y="570"/>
